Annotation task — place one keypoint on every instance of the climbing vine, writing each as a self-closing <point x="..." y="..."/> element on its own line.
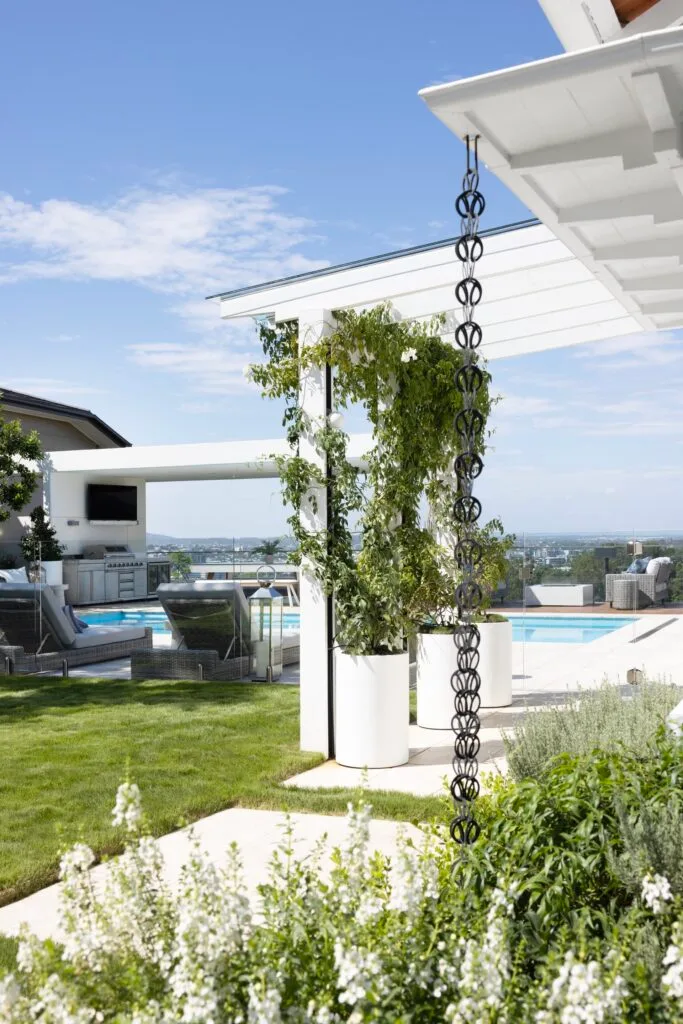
<point x="402" y="374"/>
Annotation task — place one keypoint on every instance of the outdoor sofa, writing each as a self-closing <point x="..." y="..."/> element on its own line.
<point x="38" y="634"/>
<point x="651" y="587"/>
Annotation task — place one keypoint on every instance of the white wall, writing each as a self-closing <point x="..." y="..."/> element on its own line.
<point x="65" y="497"/>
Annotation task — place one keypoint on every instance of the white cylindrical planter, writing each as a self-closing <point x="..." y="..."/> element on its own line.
<point x="371" y="710"/>
<point x="495" y="664"/>
<point x="436" y="663"/>
<point x="53" y="572"/>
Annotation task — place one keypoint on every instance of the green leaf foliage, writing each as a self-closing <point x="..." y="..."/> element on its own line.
<point x="40" y="542"/>
<point x="403" y="375"/>
<point x="18" y="480"/>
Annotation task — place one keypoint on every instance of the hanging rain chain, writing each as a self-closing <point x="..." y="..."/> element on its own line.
<point x="469" y="424"/>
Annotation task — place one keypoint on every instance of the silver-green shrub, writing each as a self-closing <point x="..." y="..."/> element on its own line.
<point x="602" y="719"/>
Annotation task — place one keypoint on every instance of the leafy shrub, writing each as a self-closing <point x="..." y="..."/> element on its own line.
<point x="601" y="719"/>
<point x="427" y="937"/>
<point x="652" y="841"/>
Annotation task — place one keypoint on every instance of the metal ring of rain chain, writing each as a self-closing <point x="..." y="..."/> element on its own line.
<point x="469" y="424"/>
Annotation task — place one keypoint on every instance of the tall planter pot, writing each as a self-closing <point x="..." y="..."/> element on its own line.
<point x="495" y="664"/>
<point x="54" y="574"/>
<point x="437" y="661"/>
<point x="371" y="710"/>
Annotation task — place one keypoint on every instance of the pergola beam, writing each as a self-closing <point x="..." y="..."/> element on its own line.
<point x="663" y="206"/>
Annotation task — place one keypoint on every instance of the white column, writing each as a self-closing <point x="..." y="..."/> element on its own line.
<point x="313" y="695"/>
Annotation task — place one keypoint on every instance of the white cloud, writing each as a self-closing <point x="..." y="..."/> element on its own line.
<point x="635" y="351"/>
<point x="63" y="337"/>
<point x="210" y="368"/>
<point x="189" y="241"/>
<point x="523" y="406"/>
<point x="180" y="241"/>
<point x="197" y="408"/>
<point x="48" y="387"/>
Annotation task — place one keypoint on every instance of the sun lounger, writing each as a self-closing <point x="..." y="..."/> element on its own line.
<point x="36" y="635"/>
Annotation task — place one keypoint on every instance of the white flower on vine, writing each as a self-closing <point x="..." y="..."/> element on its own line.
<point x="128" y="807"/>
<point x="656" y="891"/>
<point x="409" y="356"/>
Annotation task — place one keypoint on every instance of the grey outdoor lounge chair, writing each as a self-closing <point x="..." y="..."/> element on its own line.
<point x="652" y="587"/>
<point x="208" y="615"/>
<point x="36" y="636"/>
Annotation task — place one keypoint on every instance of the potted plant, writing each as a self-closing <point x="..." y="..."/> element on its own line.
<point x="434" y="603"/>
<point x="402" y="374"/>
<point x="268" y="550"/>
<point x="40" y="547"/>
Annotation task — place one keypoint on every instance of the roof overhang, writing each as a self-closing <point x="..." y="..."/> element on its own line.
<point x="592" y="143"/>
<point x="580" y="24"/>
<point x="537" y="294"/>
<point x="220" y="460"/>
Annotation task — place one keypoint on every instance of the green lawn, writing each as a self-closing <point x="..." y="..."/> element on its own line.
<point x="193" y="747"/>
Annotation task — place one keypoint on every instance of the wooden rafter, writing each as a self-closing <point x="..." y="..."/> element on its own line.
<point x="628" y="10"/>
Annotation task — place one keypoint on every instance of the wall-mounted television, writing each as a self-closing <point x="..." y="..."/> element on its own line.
<point x="112" y="503"/>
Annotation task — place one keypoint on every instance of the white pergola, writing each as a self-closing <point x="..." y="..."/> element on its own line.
<point x="592" y="142"/>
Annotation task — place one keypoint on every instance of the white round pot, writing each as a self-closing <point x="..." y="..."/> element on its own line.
<point x="495" y="664"/>
<point x="371" y="710"/>
<point x="437" y="661"/>
<point x="53" y="573"/>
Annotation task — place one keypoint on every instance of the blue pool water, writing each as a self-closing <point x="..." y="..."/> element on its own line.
<point x="533" y="628"/>
<point x="565" y="629"/>
<point x="158" y="622"/>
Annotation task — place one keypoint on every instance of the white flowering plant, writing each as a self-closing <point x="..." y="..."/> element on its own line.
<point x="347" y="937"/>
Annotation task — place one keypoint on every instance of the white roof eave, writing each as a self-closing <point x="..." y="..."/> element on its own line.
<point x="592" y="143"/>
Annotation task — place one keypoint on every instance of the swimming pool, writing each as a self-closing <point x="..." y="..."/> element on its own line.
<point x="532" y="629"/>
<point x="565" y="629"/>
<point x="157" y="621"/>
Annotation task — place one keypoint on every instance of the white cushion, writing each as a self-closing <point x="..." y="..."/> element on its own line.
<point x="14" y="575"/>
<point x="96" y="635"/>
<point x="654" y="565"/>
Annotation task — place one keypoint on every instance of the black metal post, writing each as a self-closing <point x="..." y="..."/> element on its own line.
<point x="331" y="745"/>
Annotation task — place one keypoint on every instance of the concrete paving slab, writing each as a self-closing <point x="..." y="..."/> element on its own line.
<point x="257" y="833"/>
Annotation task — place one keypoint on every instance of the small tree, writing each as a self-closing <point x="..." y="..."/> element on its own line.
<point x="268" y="549"/>
<point x="181" y="564"/>
<point x="17" y="479"/>
<point x="40" y="543"/>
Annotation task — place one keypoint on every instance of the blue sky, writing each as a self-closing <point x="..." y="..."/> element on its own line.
<point x="157" y="152"/>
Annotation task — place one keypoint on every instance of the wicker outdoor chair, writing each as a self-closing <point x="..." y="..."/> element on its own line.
<point x="652" y="587"/>
<point x="36" y="636"/>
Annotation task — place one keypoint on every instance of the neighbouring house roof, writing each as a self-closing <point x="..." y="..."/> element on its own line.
<point x="17" y="402"/>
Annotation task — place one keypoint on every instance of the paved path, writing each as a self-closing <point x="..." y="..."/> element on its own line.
<point x="257" y="833"/>
<point x="542" y="674"/>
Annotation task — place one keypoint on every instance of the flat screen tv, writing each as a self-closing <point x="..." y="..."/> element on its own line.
<point x="112" y="502"/>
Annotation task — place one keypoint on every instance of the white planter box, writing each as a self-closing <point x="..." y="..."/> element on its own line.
<point x="437" y="661"/>
<point x="559" y="594"/>
<point x="53" y="573"/>
<point x="371" y="710"/>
